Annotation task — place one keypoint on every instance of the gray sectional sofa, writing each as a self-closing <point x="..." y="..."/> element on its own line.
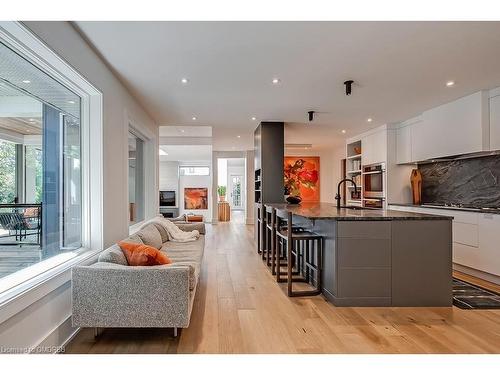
<point x="110" y="293"/>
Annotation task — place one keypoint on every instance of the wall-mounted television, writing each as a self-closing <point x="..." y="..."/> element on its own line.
<point x="167" y="198"/>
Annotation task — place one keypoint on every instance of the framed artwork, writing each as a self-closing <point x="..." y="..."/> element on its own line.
<point x="196" y="198"/>
<point x="302" y="177"/>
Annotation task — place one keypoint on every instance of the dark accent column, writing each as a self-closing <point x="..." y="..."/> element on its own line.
<point x="51" y="159"/>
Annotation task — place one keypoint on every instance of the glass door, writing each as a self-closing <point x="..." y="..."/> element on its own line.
<point x="235" y="189"/>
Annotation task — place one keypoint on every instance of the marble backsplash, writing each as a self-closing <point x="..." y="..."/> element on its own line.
<point x="472" y="182"/>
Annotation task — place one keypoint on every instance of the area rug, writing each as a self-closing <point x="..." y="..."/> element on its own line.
<point x="468" y="296"/>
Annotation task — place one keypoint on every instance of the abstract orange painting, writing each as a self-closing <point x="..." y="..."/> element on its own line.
<point x="302" y="177"/>
<point x="195" y="198"/>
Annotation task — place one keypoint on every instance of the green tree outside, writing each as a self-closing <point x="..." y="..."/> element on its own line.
<point x="7" y="172"/>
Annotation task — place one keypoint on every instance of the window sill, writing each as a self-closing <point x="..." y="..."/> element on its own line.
<point x="19" y="290"/>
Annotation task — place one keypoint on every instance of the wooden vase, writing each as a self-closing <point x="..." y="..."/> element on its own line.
<point x="416" y="186"/>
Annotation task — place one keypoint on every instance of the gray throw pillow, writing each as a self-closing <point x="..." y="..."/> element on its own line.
<point x="162" y="230"/>
<point x="113" y="254"/>
<point x="151" y="236"/>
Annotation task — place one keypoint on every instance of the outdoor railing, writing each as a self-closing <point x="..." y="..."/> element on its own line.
<point x="21" y="221"/>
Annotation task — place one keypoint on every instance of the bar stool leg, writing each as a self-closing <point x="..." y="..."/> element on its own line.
<point x="273" y="242"/>
<point x="307" y="260"/>
<point x="289" y="244"/>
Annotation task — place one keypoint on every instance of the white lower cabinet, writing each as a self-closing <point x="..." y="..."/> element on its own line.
<point x="489" y="243"/>
<point x="476" y="237"/>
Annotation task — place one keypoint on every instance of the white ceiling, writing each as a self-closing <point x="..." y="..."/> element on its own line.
<point x="400" y="69"/>
<point x="186" y="153"/>
<point x="185" y="131"/>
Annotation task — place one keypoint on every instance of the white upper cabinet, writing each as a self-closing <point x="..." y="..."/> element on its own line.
<point x="403" y="145"/>
<point x="403" y="141"/>
<point x="452" y="129"/>
<point x="374" y="147"/>
<point x="495" y="123"/>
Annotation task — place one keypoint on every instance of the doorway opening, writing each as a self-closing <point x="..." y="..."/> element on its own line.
<point x="231" y="183"/>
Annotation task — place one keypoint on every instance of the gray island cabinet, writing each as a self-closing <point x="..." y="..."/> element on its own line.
<point x="381" y="257"/>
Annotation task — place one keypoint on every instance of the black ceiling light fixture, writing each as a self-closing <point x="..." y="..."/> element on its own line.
<point x="348" y="87"/>
<point x="311" y="115"/>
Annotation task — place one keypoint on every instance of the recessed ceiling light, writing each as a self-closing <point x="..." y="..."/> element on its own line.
<point x="238" y="136"/>
<point x="276" y="81"/>
<point x="182" y="130"/>
<point x="184" y="80"/>
<point x="369" y="119"/>
<point x="26" y="81"/>
<point x="254" y="118"/>
<point x="31" y="120"/>
<point x="343" y="131"/>
<point x="71" y="101"/>
<point x="193" y="118"/>
<point x="450" y="83"/>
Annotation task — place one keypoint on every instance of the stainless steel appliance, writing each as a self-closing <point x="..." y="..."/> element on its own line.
<point x="374" y="190"/>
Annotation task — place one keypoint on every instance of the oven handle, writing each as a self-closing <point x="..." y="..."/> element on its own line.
<point x="374" y="199"/>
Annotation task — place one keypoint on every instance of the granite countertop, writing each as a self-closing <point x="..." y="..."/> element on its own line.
<point x="329" y="211"/>
<point x="485" y="210"/>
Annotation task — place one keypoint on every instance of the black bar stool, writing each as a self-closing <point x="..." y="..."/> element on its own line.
<point x="302" y="253"/>
<point x="260" y="230"/>
<point x="270" y="236"/>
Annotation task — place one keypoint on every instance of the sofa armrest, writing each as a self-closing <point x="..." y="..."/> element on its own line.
<point x="112" y="295"/>
<point x="188" y="227"/>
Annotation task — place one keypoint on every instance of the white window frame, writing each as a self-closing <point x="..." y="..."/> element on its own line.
<point x="194" y="166"/>
<point x="18" y="37"/>
<point x="151" y="160"/>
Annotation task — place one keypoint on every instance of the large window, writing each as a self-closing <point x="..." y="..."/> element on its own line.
<point x="194" y="171"/>
<point x="40" y="165"/>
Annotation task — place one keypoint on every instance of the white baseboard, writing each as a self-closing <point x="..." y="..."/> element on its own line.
<point x="477" y="273"/>
<point x="57" y="340"/>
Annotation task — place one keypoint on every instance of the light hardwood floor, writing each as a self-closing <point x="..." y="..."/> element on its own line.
<point x="239" y="308"/>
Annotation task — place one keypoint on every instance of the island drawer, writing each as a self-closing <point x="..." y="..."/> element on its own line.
<point x="361" y="283"/>
<point x="364" y="229"/>
<point x="364" y="252"/>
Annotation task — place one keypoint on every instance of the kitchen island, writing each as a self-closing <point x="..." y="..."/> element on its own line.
<point x="374" y="257"/>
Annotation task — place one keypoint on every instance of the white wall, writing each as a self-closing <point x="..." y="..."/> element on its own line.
<point x="330" y="171"/>
<point x="46" y="319"/>
<point x="250" y="181"/>
<point x="197" y="182"/>
<point x="222" y="172"/>
<point x="169" y="178"/>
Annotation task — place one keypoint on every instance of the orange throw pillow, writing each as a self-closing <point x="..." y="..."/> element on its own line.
<point x="143" y="255"/>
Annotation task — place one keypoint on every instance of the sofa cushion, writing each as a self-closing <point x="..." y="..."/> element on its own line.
<point x="143" y="255"/>
<point x="113" y="254"/>
<point x="157" y="223"/>
<point x="188" y="254"/>
<point x="150" y="236"/>
<point x="185" y="251"/>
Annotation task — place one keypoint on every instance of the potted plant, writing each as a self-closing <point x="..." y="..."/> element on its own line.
<point x="221" y="191"/>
